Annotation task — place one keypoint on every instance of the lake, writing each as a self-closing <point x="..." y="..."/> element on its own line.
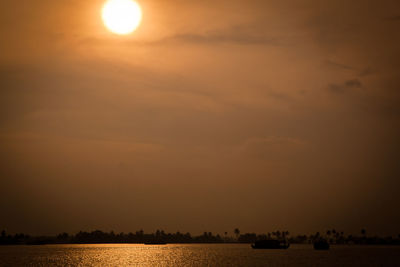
<point x="195" y="255"/>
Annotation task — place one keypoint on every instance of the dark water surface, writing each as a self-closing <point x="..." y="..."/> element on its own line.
<point x="195" y="255"/>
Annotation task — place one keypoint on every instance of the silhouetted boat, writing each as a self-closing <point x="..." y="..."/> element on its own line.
<point x="321" y="244"/>
<point x="270" y="244"/>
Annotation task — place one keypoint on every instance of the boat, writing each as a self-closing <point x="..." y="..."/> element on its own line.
<point x="321" y="244"/>
<point x="270" y="244"/>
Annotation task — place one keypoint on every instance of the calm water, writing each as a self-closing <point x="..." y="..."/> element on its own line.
<point x="195" y="255"/>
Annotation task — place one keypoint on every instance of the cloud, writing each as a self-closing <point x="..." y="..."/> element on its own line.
<point x="240" y="34"/>
<point x="367" y="71"/>
<point x="353" y="84"/>
<point x="335" y="65"/>
<point x="229" y="36"/>
<point x="346" y="86"/>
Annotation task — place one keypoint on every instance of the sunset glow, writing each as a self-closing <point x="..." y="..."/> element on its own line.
<point x="195" y="133"/>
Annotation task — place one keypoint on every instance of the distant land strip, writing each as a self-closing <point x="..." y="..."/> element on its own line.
<point x="140" y="237"/>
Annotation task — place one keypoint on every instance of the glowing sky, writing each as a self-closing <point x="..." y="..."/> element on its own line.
<point x="259" y="114"/>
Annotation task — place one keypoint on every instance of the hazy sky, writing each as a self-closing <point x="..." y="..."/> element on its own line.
<point x="259" y="114"/>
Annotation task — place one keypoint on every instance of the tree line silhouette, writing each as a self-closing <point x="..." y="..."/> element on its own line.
<point x="140" y="237"/>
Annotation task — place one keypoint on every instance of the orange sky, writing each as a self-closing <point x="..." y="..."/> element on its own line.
<point x="213" y="115"/>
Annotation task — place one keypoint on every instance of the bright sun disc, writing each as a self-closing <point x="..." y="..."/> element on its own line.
<point x="121" y="16"/>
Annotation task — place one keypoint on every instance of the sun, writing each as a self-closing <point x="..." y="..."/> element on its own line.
<point x="121" y="16"/>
